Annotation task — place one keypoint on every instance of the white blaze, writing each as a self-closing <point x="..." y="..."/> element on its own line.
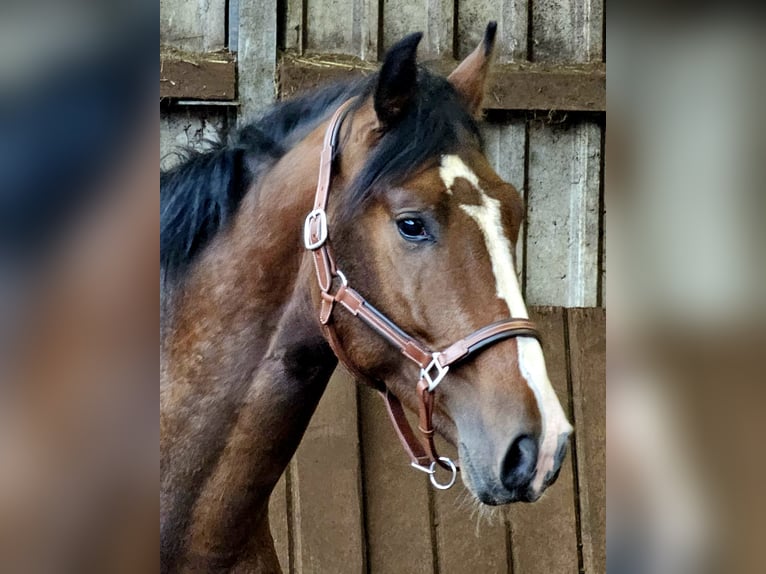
<point x="487" y="216"/>
<point x="451" y="168"/>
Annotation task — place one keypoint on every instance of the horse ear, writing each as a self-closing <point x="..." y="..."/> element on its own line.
<point x="397" y="80"/>
<point x="471" y="75"/>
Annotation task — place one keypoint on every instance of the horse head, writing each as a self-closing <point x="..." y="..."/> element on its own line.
<point x="425" y="230"/>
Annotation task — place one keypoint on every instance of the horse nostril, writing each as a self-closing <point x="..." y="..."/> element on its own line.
<point x="518" y="467"/>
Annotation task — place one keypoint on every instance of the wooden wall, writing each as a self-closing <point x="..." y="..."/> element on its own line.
<point x="350" y="503"/>
<point x="193" y="25"/>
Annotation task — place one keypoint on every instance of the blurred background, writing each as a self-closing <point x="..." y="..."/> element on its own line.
<point x="680" y="207"/>
<point x="78" y="273"/>
<point x="687" y="304"/>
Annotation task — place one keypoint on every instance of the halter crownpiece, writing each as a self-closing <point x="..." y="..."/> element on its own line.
<point x="434" y="366"/>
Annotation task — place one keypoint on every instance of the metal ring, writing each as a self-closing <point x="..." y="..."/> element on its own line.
<point x="432" y="474"/>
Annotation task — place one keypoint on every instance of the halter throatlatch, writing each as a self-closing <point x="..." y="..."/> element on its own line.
<point x="434" y="366"/>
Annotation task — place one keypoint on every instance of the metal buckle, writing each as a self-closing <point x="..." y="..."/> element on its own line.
<point x="431" y="472"/>
<point x="321" y="217"/>
<point x="441" y="372"/>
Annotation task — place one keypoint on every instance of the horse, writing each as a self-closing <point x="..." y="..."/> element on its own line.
<point x="257" y="303"/>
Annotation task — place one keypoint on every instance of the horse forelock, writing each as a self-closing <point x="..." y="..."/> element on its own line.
<point x="435" y="123"/>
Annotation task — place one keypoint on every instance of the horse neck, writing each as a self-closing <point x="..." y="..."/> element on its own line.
<point x="244" y="283"/>
<point x="244" y="362"/>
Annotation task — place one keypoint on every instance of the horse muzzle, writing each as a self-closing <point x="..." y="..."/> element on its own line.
<point x="515" y="478"/>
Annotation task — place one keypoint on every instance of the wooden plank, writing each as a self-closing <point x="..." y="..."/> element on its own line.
<point x="564" y="174"/>
<point x="435" y="18"/>
<point x="396" y="497"/>
<point x="587" y="348"/>
<point x="192" y="128"/>
<point x="295" y="26"/>
<point x="540" y="86"/>
<point x="511" y="17"/>
<point x="198" y="76"/>
<point x="562" y="214"/>
<point x="504" y="146"/>
<point x="464" y="538"/>
<point x="257" y="56"/>
<point x="602" y="224"/>
<point x="298" y="75"/>
<point x="334" y="26"/>
<point x="567" y="31"/>
<point x="232" y="25"/>
<point x="326" y="486"/>
<point x="602" y="252"/>
<point x="194" y="25"/>
<point x="278" y="519"/>
<point x="545" y="87"/>
<point x="511" y="86"/>
<point x="544" y="534"/>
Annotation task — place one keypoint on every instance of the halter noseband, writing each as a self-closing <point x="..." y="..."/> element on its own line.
<point x="434" y="366"/>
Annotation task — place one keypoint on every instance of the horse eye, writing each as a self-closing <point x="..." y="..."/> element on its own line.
<point x="413" y="229"/>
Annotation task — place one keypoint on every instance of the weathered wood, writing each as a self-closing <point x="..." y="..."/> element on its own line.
<point x="562" y="214"/>
<point x="256" y="56"/>
<point x="587" y="348"/>
<point x="279" y="512"/>
<point x="398" y="522"/>
<point x="504" y="146"/>
<point x="465" y="538"/>
<point x="602" y="251"/>
<point x="198" y="76"/>
<point x="567" y="31"/>
<point x="563" y="223"/>
<point x="541" y="86"/>
<point x="432" y="17"/>
<point x="298" y="75"/>
<point x="511" y="86"/>
<point x="184" y="128"/>
<point x="339" y="26"/>
<point x="544" y="534"/>
<point x="545" y="87"/>
<point x="511" y="17"/>
<point x="194" y="25"/>
<point x="295" y="26"/>
<point x="326" y="486"/>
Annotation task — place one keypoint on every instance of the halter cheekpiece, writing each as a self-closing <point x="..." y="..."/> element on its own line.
<point x="434" y="365"/>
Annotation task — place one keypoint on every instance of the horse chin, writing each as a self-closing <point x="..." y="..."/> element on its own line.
<point x="477" y="486"/>
<point x="501" y="498"/>
<point x="494" y="498"/>
<point x="487" y="489"/>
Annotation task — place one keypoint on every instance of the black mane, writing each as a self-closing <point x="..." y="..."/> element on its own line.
<point x="199" y="197"/>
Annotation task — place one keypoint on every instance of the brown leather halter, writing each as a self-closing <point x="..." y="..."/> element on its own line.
<point x="433" y="365"/>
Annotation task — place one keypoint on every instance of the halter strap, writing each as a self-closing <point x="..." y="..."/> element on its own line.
<point x="434" y="366"/>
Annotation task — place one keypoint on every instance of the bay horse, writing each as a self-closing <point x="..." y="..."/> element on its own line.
<point x="255" y="310"/>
